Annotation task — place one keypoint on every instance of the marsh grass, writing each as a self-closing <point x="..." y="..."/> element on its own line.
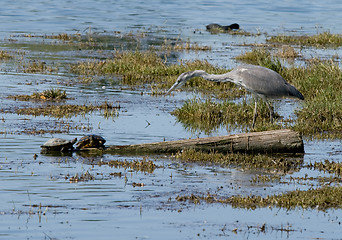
<point x="261" y="56"/>
<point x="244" y="161"/>
<point x="83" y="177"/>
<point x="37" y="66"/>
<point x="137" y="68"/>
<point x="179" y="45"/>
<point x="208" y="115"/>
<point x="265" y="178"/>
<point x="320" y="83"/>
<point x="287" y="52"/>
<point x="327" y="166"/>
<point x="238" y="32"/>
<point x="53" y="94"/>
<point x="5" y="55"/>
<point x="143" y="165"/>
<point x="321" y="198"/>
<point x="63" y="111"/>
<point x="325" y="39"/>
<point x="63" y="36"/>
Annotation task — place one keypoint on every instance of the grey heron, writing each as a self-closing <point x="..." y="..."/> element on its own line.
<point x="262" y="82"/>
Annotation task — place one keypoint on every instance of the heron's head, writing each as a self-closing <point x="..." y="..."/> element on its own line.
<point x="183" y="78"/>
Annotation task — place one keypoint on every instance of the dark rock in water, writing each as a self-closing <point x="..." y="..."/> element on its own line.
<point x="215" y="26"/>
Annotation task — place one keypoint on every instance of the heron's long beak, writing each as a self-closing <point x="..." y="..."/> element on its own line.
<point x="174" y="86"/>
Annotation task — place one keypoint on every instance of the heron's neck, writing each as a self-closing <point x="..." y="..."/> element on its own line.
<point x="216" y="77"/>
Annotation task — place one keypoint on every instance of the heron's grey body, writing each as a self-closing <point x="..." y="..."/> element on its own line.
<point x="260" y="81"/>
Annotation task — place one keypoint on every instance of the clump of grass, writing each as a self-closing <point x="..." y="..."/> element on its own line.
<point x="136" y="165"/>
<point x="61" y="36"/>
<point x="327" y="166"/>
<point x="244" y="161"/>
<point x="80" y="177"/>
<point x="5" y="55"/>
<point x="321" y="198"/>
<point x="135" y="68"/>
<point x="191" y="47"/>
<point x="181" y="46"/>
<point x="262" y="57"/>
<point x="61" y="111"/>
<point x="208" y="115"/>
<point x="53" y="94"/>
<point x="264" y="178"/>
<point x="36" y="66"/>
<point x="325" y="39"/>
<point x="320" y="83"/>
<point x="255" y="56"/>
<point x="287" y="52"/>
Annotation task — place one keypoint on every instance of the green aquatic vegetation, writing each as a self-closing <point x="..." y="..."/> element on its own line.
<point x="265" y="178"/>
<point x="63" y="36"/>
<point x="255" y="56"/>
<point x="287" y="52"/>
<point x="36" y="66"/>
<point x="327" y="166"/>
<point x="245" y="161"/>
<point x="325" y="39"/>
<point x="143" y="165"/>
<point x="53" y="94"/>
<point x="208" y="115"/>
<point x="179" y="45"/>
<point x="261" y="56"/>
<point x="5" y="55"/>
<point x="320" y="198"/>
<point x="87" y="176"/>
<point x="239" y="32"/>
<point x="64" y="110"/>
<point x="320" y="83"/>
<point x="136" y="68"/>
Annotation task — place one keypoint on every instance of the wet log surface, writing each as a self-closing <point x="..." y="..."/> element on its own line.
<point x="275" y="141"/>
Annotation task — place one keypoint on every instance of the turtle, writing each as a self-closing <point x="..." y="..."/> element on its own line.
<point x="58" y="145"/>
<point x="91" y="141"/>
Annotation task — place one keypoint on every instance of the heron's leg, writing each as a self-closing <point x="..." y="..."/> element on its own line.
<point x="271" y="110"/>
<point x="255" y="112"/>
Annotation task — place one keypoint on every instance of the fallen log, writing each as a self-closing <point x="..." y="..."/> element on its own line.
<point x="275" y="141"/>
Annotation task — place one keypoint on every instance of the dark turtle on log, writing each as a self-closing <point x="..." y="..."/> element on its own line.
<point x="91" y="141"/>
<point x="58" y="145"/>
<point x="215" y="26"/>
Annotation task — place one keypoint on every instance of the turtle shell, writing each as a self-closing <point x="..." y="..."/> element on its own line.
<point x="91" y="141"/>
<point x="58" y="144"/>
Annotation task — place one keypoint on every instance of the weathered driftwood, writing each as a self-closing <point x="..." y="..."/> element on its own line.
<point x="276" y="141"/>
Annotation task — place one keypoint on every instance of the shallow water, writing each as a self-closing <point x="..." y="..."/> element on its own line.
<point x="110" y="205"/>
